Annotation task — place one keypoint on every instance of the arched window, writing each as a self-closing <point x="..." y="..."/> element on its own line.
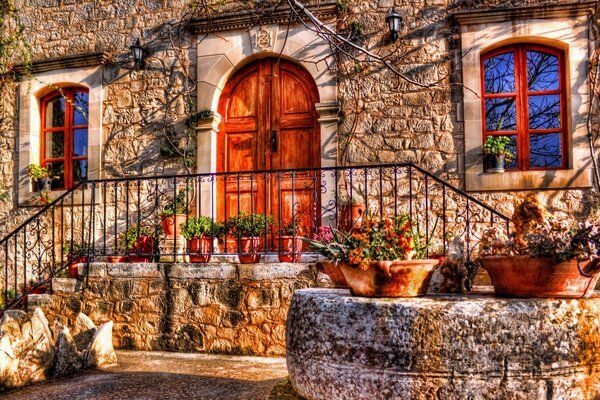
<point x="64" y="136"/>
<point x="524" y="99"/>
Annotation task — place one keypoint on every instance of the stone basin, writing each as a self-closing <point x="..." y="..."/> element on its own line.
<point x="442" y="347"/>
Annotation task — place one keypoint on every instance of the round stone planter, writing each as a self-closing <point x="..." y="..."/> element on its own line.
<point x="445" y="346"/>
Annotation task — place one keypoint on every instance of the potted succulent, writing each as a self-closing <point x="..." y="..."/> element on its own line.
<point x="495" y="154"/>
<point x="543" y="258"/>
<point x="174" y="213"/>
<point x="289" y="242"/>
<point x="199" y="233"/>
<point x="381" y="258"/>
<point x="76" y="253"/>
<point x="250" y="230"/>
<point x="139" y="243"/>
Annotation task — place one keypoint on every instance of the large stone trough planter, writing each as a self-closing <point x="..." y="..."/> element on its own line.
<point x="445" y="346"/>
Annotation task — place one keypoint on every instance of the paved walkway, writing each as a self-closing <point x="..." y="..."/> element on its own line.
<point x="162" y="375"/>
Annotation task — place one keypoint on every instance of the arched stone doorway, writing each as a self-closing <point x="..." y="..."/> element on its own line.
<point x="269" y="122"/>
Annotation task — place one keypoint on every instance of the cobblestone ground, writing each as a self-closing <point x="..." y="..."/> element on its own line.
<point x="162" y="375"/>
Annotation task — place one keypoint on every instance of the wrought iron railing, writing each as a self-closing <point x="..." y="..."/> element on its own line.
<point x="109" y="218"/>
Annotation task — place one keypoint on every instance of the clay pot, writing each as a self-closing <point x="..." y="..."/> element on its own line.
<point x="73" y="271"/>
<point x="333" y="272"/>
<point x="523" y="276"/>
<point x="250" y="249"/>
<point x="172" y="223"/>
<point x="289" y="248"/>
<point x="409" y="278"/>
<point x="117" y="259"/>
<point x="141" y="250"/>
<point x="200" y="249"/>
<point x="352" y="216"/>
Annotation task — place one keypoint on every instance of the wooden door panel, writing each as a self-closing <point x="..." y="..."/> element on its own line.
<point x="269" y="95"/>
<point x="295" y="149"/>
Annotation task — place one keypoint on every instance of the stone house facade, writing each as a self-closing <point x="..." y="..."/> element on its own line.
<point x="430" y="105"/>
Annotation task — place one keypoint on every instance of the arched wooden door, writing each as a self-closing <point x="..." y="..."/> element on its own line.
<point x="269" y="122"/>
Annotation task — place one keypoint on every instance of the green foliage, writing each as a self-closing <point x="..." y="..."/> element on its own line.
<point x="201" y="226"/>
<point x="170" y="149"/>
<point x="496" y="146"/>
<point x="62" y="273"/>
<point x="36" y="171"/>
<point x="13" y="44"/>
<point x="293" y="227"/>
<point x="356" y="28"/>
<point x="342" y="6"/>
<point x="249" y="225"/>
<point x="177" y="206"/>
<point x="75" y="249"/>
<point x="130" y="236"/>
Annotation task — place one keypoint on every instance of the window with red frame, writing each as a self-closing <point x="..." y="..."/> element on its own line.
<point x="524" y="99"/>
<point x="64" y="142"/>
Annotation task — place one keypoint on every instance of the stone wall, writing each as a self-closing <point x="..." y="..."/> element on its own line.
<point x="216" y="307"/>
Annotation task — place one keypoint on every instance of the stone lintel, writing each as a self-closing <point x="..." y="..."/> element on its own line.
<point x="237" y="20"/>
<point x="74" y="61"/>
<point x="491" y="15"/>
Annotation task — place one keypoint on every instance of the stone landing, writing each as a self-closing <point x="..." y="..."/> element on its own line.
<point x="442" y="347"/>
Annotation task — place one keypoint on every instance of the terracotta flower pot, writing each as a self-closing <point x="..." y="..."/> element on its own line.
<point x="200" y="249"/>
<point x="73" y="271"/>
<point x="250" y="249"/>
<point x="352" y="216"/>
<point x="117" y="259"/>
<point x="289" y="248"/>
<point x="172" y="223"/>
<point x="523" y="276"/>
<point x="141" y="250"/>
<point x="333" y="272"/>
<point x="409" y="278"/>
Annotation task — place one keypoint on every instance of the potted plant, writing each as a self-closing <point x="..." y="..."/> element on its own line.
<point x="139" y="243"/>
<point x="174" y="213"/>
<point x="76" y="253"/>
<point x="250" y="230"/>
<point x="199" y="233"/>
<point x="381" y="258"/>
<point x="117" y="254"/>
<point x="40" y="176"/>
<point x="352" y="208"/>
<point x="495" y="154"/>
<point x="289" y="242"/>
<point x="324" y="234"/>
<point x="543" y="258"/>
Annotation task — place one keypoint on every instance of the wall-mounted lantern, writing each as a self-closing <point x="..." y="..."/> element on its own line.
<point x="137" y="53"/>
<point x="394" y="21"/>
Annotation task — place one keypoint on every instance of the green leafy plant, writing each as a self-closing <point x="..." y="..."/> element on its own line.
<point x="177" y="206"/>
<point x="496" y="146"/>
<point x="131" y="235"/>
<point x="75" y="249"/>
<point x="36" y="171"/>
<point x="249" y="225"/>
<point x="293" y="227"/>
<point x="201" y="226"/>
<point x="62" y="274"/>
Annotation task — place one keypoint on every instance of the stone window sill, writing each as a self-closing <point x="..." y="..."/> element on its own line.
<point x="529" y="180"/>
<point x="79" y="197"/>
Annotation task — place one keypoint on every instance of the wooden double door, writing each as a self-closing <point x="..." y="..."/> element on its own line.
<point x="269" y="123"/>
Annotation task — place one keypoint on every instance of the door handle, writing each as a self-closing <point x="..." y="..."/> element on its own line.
<point x="274" y="143"/>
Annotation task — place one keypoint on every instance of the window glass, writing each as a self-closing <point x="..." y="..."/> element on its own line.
<point x="55" y="144"/>
<point x="544" y="111"/>
<point x="545" y="150"/>
<point x="501" y="114"/>
<point x="80" y="170"/>
<point x="499" y="73"/>
<point x="80" y="101"/>
<point x="55" y="113"/>
<point x="542" y="71"/>
<point x="80" y="142"/>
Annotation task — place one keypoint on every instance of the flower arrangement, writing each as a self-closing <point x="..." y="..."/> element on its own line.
<point x="375" y="240"/>
<point x="554" y="240"/>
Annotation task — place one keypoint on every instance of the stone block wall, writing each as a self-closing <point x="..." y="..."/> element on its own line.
<point x="215" y="307"/>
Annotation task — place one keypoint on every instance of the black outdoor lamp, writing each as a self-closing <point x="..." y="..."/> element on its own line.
<point x="394" y="20"/>
<point x="137" y="53"/>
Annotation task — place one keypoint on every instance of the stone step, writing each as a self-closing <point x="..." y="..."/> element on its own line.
<point x="66" y="285"/>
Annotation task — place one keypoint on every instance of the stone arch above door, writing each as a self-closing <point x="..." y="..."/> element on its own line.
<point x="219" y="56"/>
